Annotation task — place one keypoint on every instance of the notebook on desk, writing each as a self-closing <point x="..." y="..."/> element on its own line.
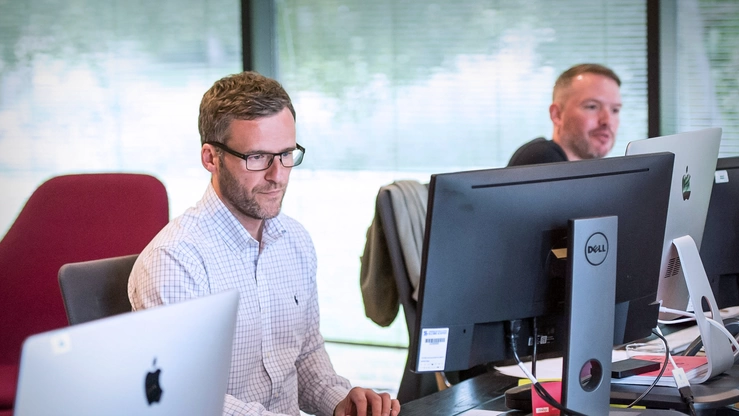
<point x="694" y="367"/>
<point x="169" y="360"/>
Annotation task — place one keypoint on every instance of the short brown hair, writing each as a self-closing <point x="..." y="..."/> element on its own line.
<point x="244" y="96"/>
<point x="565" y="79"/>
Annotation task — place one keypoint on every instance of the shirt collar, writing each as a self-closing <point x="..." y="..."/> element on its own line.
<point x="231" y="230"/>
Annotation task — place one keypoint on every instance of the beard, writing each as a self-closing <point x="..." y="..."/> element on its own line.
<point x="585" y="149"/>
<point x="244" y="201"/>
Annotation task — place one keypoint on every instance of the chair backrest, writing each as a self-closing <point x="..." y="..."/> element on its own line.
<point x="69" y="218"/>
<point x="96" y="289"/>
<point x="412" y="385"/>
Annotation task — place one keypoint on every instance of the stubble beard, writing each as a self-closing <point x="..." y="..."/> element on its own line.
<point x="244" y="201"/>
<point x="583" y="148"/>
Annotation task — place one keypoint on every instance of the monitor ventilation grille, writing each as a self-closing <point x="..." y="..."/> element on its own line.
<point x="673" y="267"/>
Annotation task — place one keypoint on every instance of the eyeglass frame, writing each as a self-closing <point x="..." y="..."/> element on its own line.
<point x="245" y="156"/>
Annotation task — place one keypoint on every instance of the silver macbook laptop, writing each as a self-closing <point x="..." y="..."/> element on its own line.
<point x="696" y="153"/>
<point x="169" y="360"/>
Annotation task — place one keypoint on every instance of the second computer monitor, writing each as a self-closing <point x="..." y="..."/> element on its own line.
<point x="720" y="246"/>
<point x="692" y="181"/>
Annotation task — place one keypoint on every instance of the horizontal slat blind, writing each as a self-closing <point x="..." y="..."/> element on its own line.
<point x="418" y="85"/>
<point x="88" y="85"/>
<point x="389" y="90"/>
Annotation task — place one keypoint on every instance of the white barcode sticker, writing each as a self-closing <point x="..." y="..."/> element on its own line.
<point x="432" y="353"/>
<point x="722" y="176"/>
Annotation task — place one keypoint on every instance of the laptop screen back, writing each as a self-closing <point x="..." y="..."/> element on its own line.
<point x="169" y="360"/>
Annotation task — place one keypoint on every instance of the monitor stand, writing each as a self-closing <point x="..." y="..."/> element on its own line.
<point x="719" y="391"/>
<point x="591" y="278"/>
<point x="715" y="344"/>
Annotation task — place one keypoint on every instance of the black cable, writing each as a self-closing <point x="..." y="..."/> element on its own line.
<point x="687" y="395"/>
<point x="515" y="327"/>
<point x="535" y="335"/>
<point x="661" y="372"/>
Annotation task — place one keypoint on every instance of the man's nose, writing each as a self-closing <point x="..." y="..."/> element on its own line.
<point x="605" y="117"/>
<point x="276" y="172"/>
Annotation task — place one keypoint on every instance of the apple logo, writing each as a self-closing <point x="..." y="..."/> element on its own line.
<point x="151" y="384"/>
<point x="686" y="185"/>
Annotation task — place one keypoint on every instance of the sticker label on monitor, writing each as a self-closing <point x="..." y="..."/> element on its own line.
<point x="722" y="176"/>
<point x="432" y="354"/>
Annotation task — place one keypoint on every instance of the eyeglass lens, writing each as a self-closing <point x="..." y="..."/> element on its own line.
<point x="264" y="161"/>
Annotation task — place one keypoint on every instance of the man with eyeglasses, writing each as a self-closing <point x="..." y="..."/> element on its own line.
<point x="236" y="238"/>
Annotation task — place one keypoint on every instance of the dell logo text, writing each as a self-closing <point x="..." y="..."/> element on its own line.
<point x="596" y="249"/>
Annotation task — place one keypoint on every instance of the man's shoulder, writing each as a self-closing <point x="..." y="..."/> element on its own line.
<point x="188" y="229"/>
<point x="538" y="150"/>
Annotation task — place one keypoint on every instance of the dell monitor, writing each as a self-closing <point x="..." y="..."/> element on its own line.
<point x="491" y="253"/>
<point x="692" y="180"/>
<point x="720" y="247"/>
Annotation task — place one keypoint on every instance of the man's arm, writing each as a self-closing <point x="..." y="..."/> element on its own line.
<point x="320" y="389"/>
<point x="235" y="407"/>
<point x="166" y="275"/>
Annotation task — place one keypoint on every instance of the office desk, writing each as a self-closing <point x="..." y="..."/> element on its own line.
<point x="718" y="392"/>
<point x="487" y="392"/>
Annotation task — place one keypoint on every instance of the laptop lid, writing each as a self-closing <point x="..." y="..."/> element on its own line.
<point x="696" y="153"/>
<point x="168" y="360"/>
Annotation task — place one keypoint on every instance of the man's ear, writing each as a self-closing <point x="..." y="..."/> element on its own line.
<point x="555" y="113"/>
<point x="209" y="158"/>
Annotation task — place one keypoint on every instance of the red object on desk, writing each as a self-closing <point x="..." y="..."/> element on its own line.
<point x="539" y="407"/>
<point x="690" y="364"/>
<point x="694" y="366"/>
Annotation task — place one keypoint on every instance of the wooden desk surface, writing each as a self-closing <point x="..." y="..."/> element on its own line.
<point x="720" y="391"/>
<point x="482" y="391"/>
<point x="461" y="397"/>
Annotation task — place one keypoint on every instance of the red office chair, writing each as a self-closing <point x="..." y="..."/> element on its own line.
<point x="69" y="218"/>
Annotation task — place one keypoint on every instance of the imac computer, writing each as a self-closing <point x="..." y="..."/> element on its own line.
<point x="683" y="283"/>
<point x="696" y="153"/>
<point x="720" y="247"/>
<point x="492" y="248"/>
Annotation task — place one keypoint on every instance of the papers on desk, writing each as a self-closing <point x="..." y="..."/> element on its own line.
<point x="549" y="369"/>
<point x="694" y="366"/>
<point x="730" y="312"/>
<point x="476" y="412"/>
<point x="678" y="340"/>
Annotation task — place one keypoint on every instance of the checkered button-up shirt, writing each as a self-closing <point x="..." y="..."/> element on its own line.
<point x="279" y="364"/>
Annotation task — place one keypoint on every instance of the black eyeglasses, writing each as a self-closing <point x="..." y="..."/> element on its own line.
<point x="262" y="161"/>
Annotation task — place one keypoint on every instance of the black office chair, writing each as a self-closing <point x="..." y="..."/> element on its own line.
<point x="96" y="289"/>
<point x="412" y="385"/>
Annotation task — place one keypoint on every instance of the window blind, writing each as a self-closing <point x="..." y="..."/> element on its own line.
<point x="108" y="86"/>
<point x="703" y="70"/>
<point x="388" y="90"/>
